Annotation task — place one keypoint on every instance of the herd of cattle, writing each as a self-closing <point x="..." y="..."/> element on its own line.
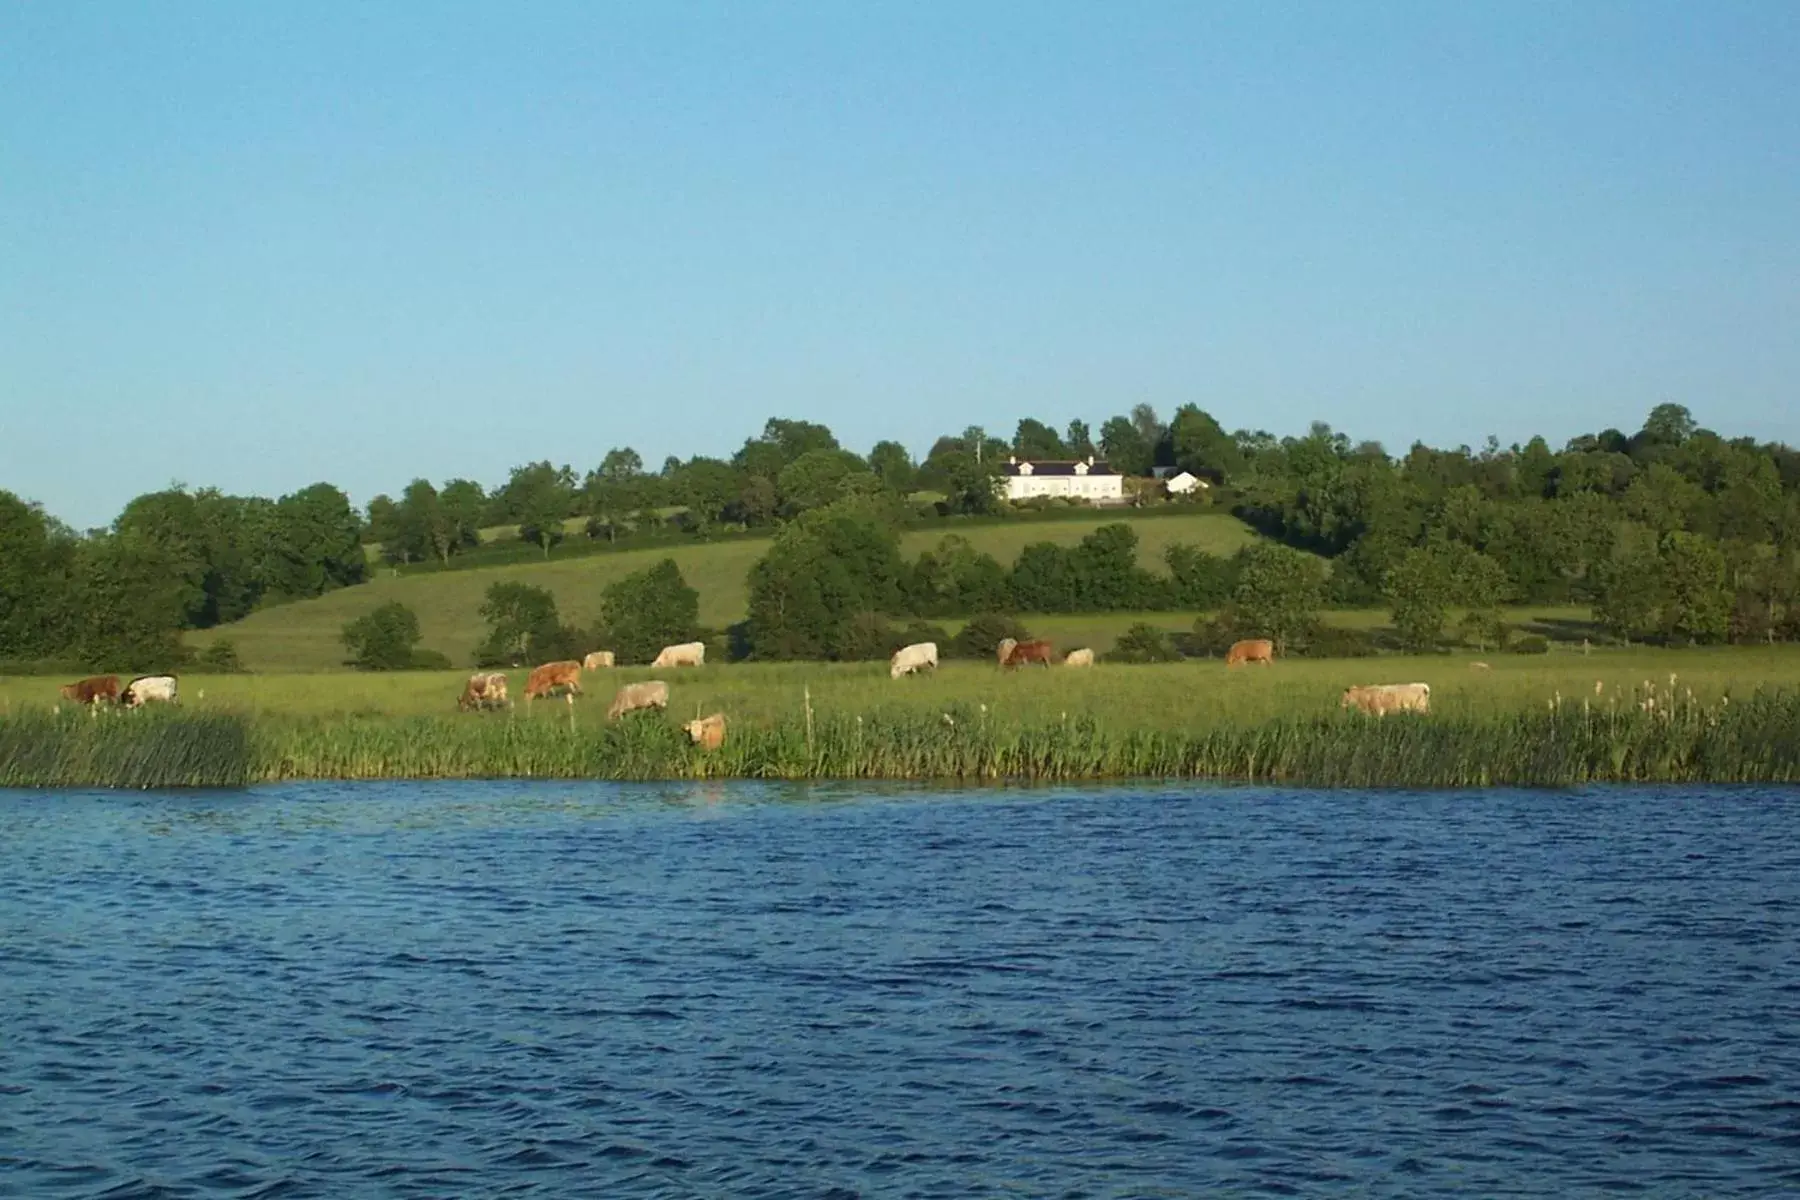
<point x="488" y="689"/>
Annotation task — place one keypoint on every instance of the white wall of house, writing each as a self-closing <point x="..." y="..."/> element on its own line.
<point x="1026" y="485"/>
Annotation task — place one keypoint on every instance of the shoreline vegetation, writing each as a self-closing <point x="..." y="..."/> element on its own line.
<point x="1735" y="718"/>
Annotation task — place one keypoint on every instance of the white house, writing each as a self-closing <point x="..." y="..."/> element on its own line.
<point x="1184" y="483"/>
<point x="1084" y="479"/>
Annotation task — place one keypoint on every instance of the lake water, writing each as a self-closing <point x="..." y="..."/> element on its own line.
<point x="478" y="989"/>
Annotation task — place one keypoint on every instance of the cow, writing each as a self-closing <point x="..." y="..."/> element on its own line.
<point x="1031" y="652"/>
<point x="1260" y="650"/>
<point x="1479" y="666"/>
<point x="597" y="660"/>
<point x="912" y="658"/>
<point x="1003" y="649"/>
<point x="687" y="654"/>
<point x="1383" y="698"/>
<point x="93" y="690"/>
<point x="633" y="696"/>
<point x="145" y="688"/>
<point x="485" y="690"/>
<point x="551" y="677"/>
<point x="708" y="733"/>
<point x="1079" y="658"/>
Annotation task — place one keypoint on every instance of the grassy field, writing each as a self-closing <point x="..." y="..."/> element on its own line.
<point x="1728" y="715"/>
<point x="305" y="636"/>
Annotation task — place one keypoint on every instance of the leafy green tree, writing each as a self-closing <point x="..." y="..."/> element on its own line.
<point x="128" y="604"/>
<point x="1079" y="441"/>
<point x="1202" y="447"/>
<point x="1199" y="579"/>
<point x="970" y="486"/>
<point x="648" y="610"/>
<point x="540" y="497"/>
<point x="311" y="544"/>
<point x="823" y="571"/>
<point x="1629" y="590"/>
<point x="383" y="525"/>
<point x="35" y="583"/>
<point x="817" y="478"/>
<point x="1279" y="594"/>
<point x="171" y="521"/>
<point x="1034" y="439"/>
<point x="955" y="578"/>
<point x="981" y="635"/>
<point x="1419" y="587"/>
<point x="423" y="529"/>
<point x="382" y="639"/>
<point x="1126" y="448"/>
<point x="523" y="626"/>
<point x="1045" y="580"/>
<point x="1143" y="643"/>
<point x="463" y="503"/>
<point x="1667" y="425"/>
<point x="710" y="489"/>
<point x="893" y="466"/>
<point x="1697" y="607"/>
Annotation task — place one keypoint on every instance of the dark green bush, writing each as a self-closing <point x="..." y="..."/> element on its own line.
<point x="1143" y="643"/>
<point x="221" y="658"/>
<point x="1531" y="643"/>
<point x="981" y="637"/>
<point x="383" y="640"/>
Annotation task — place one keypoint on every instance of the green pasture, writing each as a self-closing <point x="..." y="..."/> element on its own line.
<point x="1185" y="696"/>
<point x="304" y="636"/>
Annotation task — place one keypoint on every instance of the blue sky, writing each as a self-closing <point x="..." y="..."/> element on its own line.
<point x="255" y="246"/>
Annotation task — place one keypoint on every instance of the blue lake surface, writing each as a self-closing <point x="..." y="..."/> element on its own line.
<point x="483" y="989"/>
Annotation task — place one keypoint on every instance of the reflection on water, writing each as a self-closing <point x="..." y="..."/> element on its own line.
<point x="744" y="989"/>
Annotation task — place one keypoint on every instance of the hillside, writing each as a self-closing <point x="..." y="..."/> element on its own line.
<point x="304" y="636"/>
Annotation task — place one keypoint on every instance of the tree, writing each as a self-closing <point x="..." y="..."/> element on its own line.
<point x="818" y="478"/>
<point x="522" y="626"/>
<point x="171" y="521"/>
<point x="1667" y="425"/>
<point x="1697" y="606"/>
<point x="1202" y="447"/>
<point x="34" y="583"/>
<point x="1143" y="643"/>
<point x="893" y="466"/>
<point x="648" y="610"/>
<point x="1126" y="449"/>
<point x="1199" y="579"/>
<point x="423" y="528"/>
<point x="970" y="486"/>
<point x="1148" y="425"/>
<point x="1034" y="439"/>
<point x="1079" y="441"/>
<point x="462" y="502"/>
<point x="128" y="604"/>
<point x="312" y="544"/>
<point x="383" y="524"/>
<point x="709" y="488"/>
<point x="955" y="578"/>
<point x="383" y="639"/>
<point x="823" y="571"/>
<point x="1419" y="587"/>
<point x="1278" y="594"/>
<point x="1628" y="594"/>
<point x="539" y="498"/>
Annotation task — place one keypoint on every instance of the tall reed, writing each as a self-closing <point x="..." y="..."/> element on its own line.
<point x="1652" y="735"/>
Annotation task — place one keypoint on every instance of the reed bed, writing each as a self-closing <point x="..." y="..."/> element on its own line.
<point x="1649" y="734"/>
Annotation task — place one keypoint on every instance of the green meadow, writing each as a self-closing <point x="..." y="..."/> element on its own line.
<point x="304" y="636"/>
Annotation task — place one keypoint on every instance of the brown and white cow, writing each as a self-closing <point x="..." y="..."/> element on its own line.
<point x="484" y="690"/>
<point x="1251" y="650"/>
<point x="916" y="657"/>
<point x="1003" y="650"/>
<point x="553" y="677"/>
<point x="93" y="690"/>
<point x="145" y="688"/>
<point x="1031" y="652"/>
<point x="1383" y="698"/>
<point x="708" y="733"/>
<point x="634" y="696"/>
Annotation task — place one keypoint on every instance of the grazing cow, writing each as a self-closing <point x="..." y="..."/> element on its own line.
<point x="1383" y="698"/>
<point x="688" y="654"/>
<point x="1260" y="650"/>
<point x="1079" y="658"/>
<point x="597" y="660"/>
<point x="145" y="688"/>
<point x="708" y="733"/>
<point x="1479" y="666"/>
<point x="485" y="690"/>
<point x="1031" y="652"/>
<point x="1003" y="649"/>
<point x="552" y="677"/>
<point x="912" y="658"/>
<point x="93" y="690"/>
<point x="633" y="696"/>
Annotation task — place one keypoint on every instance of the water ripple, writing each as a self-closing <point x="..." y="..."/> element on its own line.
<point x="407" y="990"/>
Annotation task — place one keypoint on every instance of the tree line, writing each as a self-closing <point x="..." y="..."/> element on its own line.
<point x="1673" y="533"/>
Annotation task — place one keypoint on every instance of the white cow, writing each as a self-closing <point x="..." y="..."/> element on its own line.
<point x="1382" y="698"/>
<point x="144" y="688"/>
<point x="1079" y="658"/>
<point x="597" y="660"/>
<point x="688" y="654"/>
<point x="912" y="658"/>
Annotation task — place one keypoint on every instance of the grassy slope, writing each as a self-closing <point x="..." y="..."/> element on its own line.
<point x="1190" y="696"/>
<point x="304" y="636"/>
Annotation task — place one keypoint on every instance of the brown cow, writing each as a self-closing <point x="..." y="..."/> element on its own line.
<point x="1031" y="652"/>
<point x="484" y="690"/>
<point x="93" y="690"/>
<point x="547" y="679"/>
<point x="708" y="733"/>
<point x="1260" y="650"/>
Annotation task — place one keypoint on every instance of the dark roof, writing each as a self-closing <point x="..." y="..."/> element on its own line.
<point x="1046" y="466"/>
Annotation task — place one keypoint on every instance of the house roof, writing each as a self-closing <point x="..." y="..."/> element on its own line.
<point x="1051" y="466"/>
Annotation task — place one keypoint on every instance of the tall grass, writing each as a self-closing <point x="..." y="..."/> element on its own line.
<point x="1647" y="736"/>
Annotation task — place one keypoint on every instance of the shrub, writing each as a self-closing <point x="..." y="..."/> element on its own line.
<point x="648" y="610"/>
<point x="1143" y="643"/>
<point x="1531" y="643"/>
<point x="383" y="640"/>
<point x="1332" y="641"/>
<point x="430" y="660"/>
<point x="522" y="626"/>
<point x="221" y="658"/>
<point x="981" y="637"/>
